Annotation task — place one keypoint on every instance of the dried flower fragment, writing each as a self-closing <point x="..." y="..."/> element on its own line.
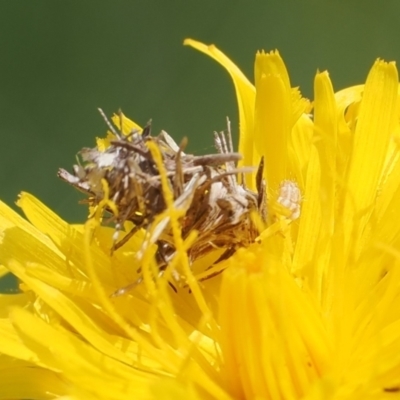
<point x="205" y="189"/>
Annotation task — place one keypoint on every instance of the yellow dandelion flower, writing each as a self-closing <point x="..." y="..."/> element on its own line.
<point x="310" y="310"/>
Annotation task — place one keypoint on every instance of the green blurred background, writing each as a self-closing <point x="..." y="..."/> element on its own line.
<point x="60" y="60"/>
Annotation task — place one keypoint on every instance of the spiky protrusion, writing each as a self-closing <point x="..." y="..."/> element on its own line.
<point x="205" y="189"/>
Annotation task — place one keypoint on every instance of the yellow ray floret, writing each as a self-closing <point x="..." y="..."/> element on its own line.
<point x="311" y="310"/>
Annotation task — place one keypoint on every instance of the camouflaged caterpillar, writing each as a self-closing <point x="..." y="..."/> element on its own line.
<point x="206" y="187"/>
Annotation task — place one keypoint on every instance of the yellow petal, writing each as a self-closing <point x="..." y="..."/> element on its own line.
<point x="245" y="95"/>
<point x="277" y="347"/>
<point x="66" y="238"/>
<point x="80" y="319"/>
<point x="376" y="122"/>
<point x="81" y="365"/>
<point x="300" y="145"/>
<point x="25" y="381"/>
<point x="325" y="128"/>
<point x="310" y="221"/>
<point x="128" y="126"/>
<point x="272" y="117"/>
<point x="277" y="110"/>
<point x="10" y="343"/>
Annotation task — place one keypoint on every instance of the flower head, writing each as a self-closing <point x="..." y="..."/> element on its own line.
<point x="309" y="310"/>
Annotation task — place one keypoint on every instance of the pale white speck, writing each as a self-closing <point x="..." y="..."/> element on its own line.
<point x="290" y="198"/>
